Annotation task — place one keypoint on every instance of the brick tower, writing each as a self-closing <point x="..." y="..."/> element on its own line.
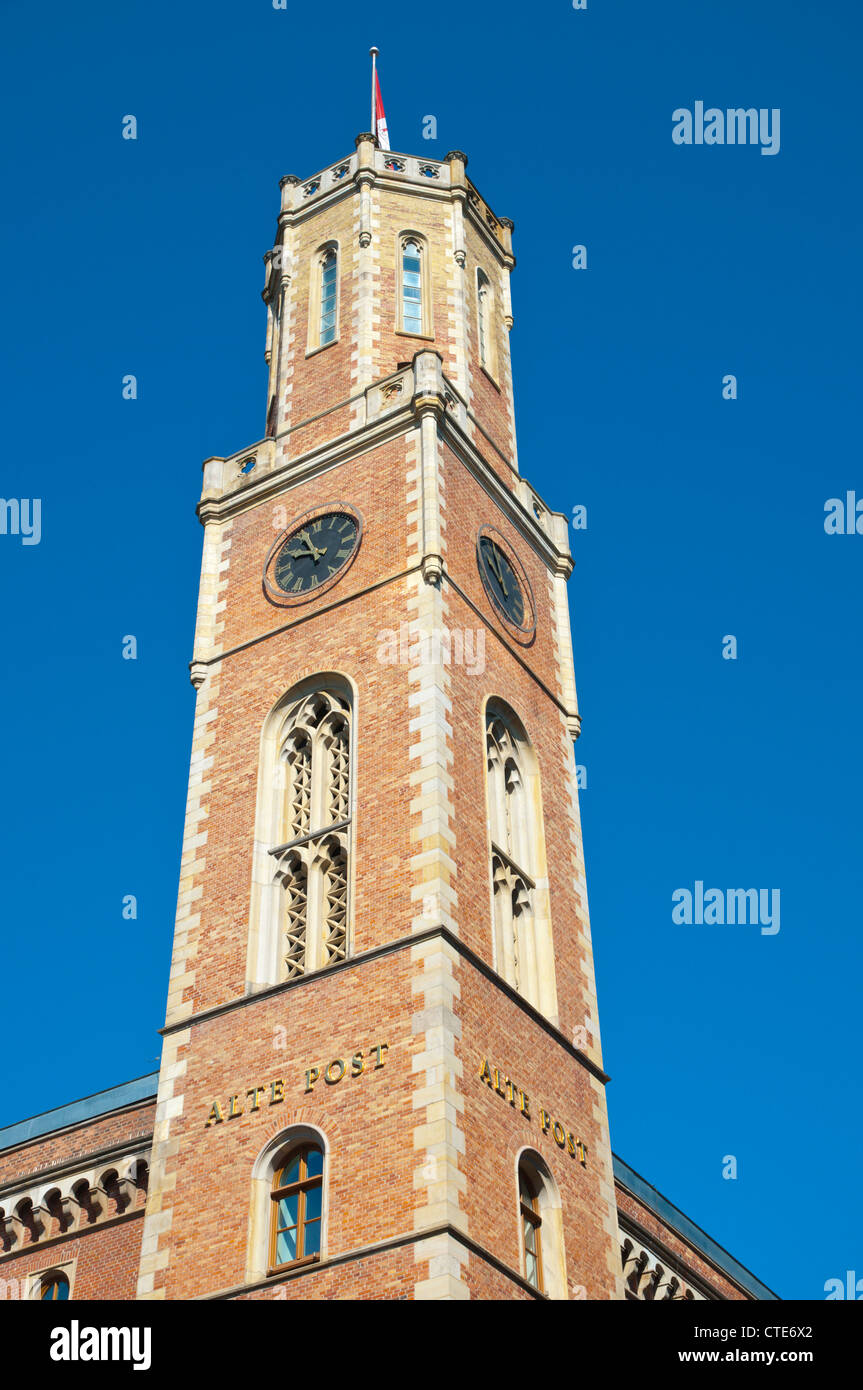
<point x="381" y="1072"/>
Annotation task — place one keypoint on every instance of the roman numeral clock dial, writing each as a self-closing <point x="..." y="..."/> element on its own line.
<point x="506" y="583"/>
<point x="313" y="554"/>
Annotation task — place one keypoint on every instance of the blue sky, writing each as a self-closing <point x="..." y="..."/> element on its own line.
<point x="705" y="518"/>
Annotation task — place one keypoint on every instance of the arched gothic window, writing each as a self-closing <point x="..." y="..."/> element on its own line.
<point x="413" y="289"/>
<point x="485" y="323"/>
<point x="312" y="855"/>
<point x="297" y="1208"/>
<point x="300" y="915"/>
<point x="522" y="930"/>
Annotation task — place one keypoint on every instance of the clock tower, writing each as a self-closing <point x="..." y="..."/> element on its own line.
<point x="381" y="1073"/>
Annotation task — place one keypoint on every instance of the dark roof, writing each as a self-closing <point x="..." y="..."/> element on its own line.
<point x="102" y="1103"/>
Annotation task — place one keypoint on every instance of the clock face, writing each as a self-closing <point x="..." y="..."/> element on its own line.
<point x="315" y="552"/>
<point x="501" y="581"/>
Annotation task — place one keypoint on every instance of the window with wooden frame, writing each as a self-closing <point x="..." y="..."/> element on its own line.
<point x="297" y="1208"/>
<point x="53" y="1287"/>
<point x="531" y="1225"/>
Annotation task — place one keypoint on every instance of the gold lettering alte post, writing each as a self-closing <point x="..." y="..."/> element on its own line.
<point x="502" y="1085"/>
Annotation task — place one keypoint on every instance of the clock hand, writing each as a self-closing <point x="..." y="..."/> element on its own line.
<point x="498" y="571"/>
<point x="311" y="549"/>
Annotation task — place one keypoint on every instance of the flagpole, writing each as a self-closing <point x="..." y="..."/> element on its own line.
<point x="374" y="53"/>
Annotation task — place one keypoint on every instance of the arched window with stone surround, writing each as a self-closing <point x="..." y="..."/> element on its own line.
<point x="297" y="1208"/>
<point x="301" y="888"/>
<point x="288" y="1212"/>
<point x="540" y="1227"/>
<point x="531" y="1226"/>
<point x="53" y="1287"/>
<point x="523" y="952"/>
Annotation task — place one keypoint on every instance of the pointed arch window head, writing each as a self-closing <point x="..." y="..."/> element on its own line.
<point x="297" y="1208"/>
<point x="413" y="289"/>
<point x="313" y="826"/>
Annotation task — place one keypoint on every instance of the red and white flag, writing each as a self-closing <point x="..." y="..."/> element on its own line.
<point x="380" y="117"/>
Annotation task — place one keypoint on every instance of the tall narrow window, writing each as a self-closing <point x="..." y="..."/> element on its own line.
<point x="312" y="829"/>
<point x="531" y="1226"/>
<point x="485" y="322"/>
<point x="295" y="1224"/>
<point x="522" y="930"/>
<point x="329" y="292"/>
<point x="412" y="286"/>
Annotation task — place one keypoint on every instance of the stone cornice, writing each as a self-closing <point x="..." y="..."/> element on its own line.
<point x="511" y="505"/>
<point x="382" y="1247"/>
<point x="374" y="434"/>
<point x="309" y="465"/>
<point x="402" y="943"/>
<point x="372" y="172"/>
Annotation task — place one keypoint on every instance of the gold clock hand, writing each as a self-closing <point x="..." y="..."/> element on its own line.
<point x="311" y="549"/>
<point x="498" y="571"/>
<point x="314" y="550"/>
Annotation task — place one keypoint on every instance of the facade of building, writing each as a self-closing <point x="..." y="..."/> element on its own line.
<point x="382" y="1041"/>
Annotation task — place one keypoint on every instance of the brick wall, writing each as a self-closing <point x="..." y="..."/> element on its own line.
<point x="105" y="1248"/>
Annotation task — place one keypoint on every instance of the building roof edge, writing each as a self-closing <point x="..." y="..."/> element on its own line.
<point x="77" y="1111"/>
<point x="690" y="1232"/>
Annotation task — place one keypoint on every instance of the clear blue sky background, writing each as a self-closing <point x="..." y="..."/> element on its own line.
<point x="705" y="518"/>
